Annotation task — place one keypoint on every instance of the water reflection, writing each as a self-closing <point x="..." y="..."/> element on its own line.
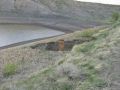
<point x="13" y="33"/>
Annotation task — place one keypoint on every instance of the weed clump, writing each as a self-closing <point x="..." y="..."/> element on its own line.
<point x="9" y="69"/>
<point x="84" y="47"/>
<point x="88" y="33"/>
<point x="115" y="17"/>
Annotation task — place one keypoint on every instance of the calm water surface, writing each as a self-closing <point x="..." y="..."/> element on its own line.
<point x="12" y="33"/>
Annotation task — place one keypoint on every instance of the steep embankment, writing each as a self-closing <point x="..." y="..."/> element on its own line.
<point x="92" y="65"/>
<point x="69" y="8"/>
<point x="67" y="14"/>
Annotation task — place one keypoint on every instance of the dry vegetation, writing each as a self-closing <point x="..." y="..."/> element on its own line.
<point x="93" y="65"/>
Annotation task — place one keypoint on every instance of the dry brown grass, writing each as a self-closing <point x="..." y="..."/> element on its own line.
<point x="28" y="61"/>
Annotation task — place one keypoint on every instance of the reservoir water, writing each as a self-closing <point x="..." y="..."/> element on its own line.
<point x="15" y="33"/>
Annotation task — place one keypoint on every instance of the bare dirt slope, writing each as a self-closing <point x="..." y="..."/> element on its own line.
<point x="67" y="14"/>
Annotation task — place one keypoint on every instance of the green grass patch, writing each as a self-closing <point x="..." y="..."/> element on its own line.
<point x="115" y="17"/>
<point x="87" y="33"/>
<point x="84" y="47"/>
<point x="103" y="34"/>
<point x="9" y="69"/>
<point x="93" y="82"/>
<point x="97" y="82"/>
<point x="61" y="62"/>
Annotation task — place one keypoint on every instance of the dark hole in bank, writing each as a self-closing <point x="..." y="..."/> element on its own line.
<point x="59" y="45"/>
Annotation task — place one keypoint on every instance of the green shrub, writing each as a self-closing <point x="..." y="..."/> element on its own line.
<point x="61" y="62"/>
<point x="102" y="34"/>
<point x="9" y="69"/>
<point x="88" y="33"/>
<point x="84" y="47"/>
<point x="66" y="86"/>
<point x="94" y="83"/>
<point x="115" y="17"/>
<point x="97" y="82"/>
